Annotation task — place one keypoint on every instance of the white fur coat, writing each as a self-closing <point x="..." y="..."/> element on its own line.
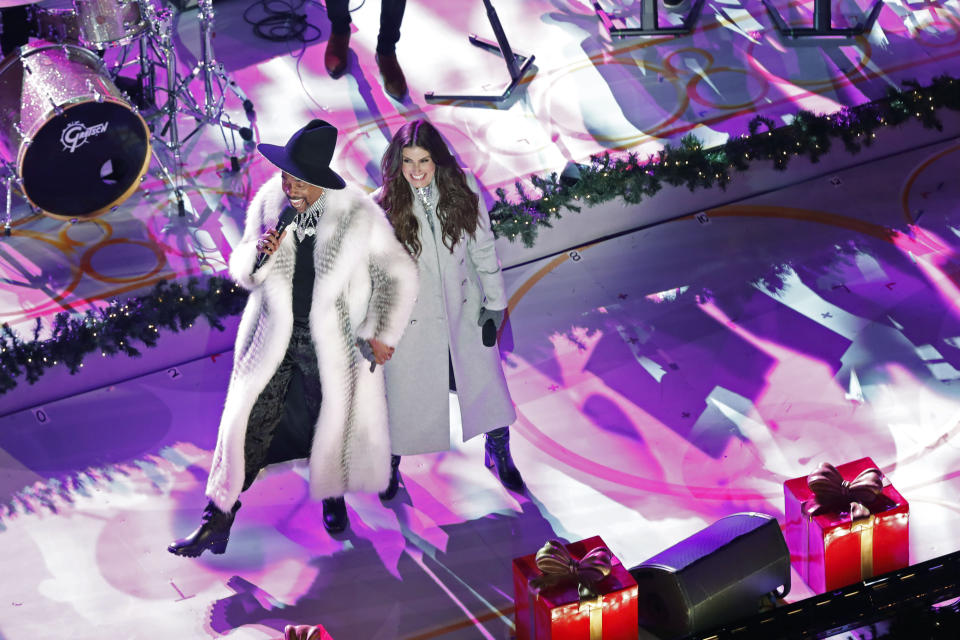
<point x="365" y="287"/>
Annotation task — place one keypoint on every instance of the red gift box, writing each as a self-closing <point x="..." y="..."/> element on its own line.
<point x="565" y="611"/>
<point x="832" y="547"/>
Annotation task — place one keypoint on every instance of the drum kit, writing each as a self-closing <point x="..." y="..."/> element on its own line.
<point x="76" y="145"/>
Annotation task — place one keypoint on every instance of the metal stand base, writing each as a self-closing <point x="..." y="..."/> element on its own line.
<point x="822" y="22"/>
<point x="649" y="21"/>
<point x="517" y="65"/>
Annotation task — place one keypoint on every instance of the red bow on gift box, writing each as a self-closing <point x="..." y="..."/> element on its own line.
<point x="833" y="493"/>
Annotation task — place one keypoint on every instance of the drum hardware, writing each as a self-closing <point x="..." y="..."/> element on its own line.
<point x="158" y="57"/>
<point x="58" y="89"/>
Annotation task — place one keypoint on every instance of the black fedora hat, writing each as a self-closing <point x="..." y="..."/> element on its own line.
<point x="307" y="154"/>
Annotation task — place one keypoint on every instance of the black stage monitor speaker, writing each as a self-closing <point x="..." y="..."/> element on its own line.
<point x="720" y="574"/>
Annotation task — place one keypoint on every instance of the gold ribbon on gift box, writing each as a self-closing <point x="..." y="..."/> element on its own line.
<point x="557" y="566"/>
<point x="831" y="493"/>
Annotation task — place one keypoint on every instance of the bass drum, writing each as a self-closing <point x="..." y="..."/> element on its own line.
<point x="79" y="148"/>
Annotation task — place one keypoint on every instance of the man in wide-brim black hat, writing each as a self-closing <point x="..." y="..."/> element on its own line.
<point x="330" y="291"/>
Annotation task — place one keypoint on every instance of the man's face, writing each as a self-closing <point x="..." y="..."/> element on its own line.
<point x="300" y="194"/>
<point x="418" y="167"/>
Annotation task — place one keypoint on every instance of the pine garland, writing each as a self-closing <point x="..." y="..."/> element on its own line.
<point x="115" y="328"/>
<point x="690" y="164"/>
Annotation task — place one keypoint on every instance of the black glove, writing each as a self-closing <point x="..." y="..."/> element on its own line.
<point x="490" y="321"/>
<point x="367" y="352"/>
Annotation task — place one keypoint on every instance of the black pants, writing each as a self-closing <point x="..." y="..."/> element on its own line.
<point x="391" y="15"/>
<point x="282" y="421"/>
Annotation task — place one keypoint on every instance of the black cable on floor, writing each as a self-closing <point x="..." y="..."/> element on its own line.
<point x="282" y="22"/>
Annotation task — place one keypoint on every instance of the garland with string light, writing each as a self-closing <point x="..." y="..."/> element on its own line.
<point x="690" y="164"/>
<point x="117" y="327"/>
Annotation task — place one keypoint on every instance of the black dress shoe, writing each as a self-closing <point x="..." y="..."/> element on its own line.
<point x="212" y="535"/>
<point x="497" y="452"/>
<point x="335" y="55"/>
<point x="394" y="83"/>
<point x="391" y="491"/>
<point x="335" y="514"/>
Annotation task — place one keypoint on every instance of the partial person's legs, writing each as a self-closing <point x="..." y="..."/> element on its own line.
<point x="214" y="530"/>
<point x="496" y="449"/>
<point x="338" y="44"/>
<point x="335" y="517"/>
<point x="391" y="16"/>
<point x="497" y="452"/>
<point x="394" y="485"/>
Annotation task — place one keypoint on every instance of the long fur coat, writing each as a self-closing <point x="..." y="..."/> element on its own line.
<point x="365" y="286"/>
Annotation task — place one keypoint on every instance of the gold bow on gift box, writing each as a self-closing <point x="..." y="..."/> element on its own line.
<point x="833" y="493"/>
<point x="558" y="567"/>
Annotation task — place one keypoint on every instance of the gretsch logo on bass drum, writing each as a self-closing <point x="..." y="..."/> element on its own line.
<point x="76" y="134"/>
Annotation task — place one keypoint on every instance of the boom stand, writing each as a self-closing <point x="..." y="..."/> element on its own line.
<point x="822" y="22"/>
<point x="649" y="22"/>
<point x="517" y="65"/>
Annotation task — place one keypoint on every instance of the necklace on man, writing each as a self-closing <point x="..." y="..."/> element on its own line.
<point x="306" y="221"/>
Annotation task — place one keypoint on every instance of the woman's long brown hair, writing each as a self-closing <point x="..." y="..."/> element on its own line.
<point x="457" y="206"/>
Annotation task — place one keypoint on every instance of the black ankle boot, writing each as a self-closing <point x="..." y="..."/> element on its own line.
<point x="213" y="534"/>
<point x="335" y="514"/>
<point x="497" y="452"/>
<point x="391" y="491"/>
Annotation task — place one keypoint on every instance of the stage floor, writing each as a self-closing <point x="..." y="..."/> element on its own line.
<point x="664" y="378"/>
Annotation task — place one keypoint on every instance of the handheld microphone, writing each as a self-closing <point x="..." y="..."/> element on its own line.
<point x="285" y="219"/>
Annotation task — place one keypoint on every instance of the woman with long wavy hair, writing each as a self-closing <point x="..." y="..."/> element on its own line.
<point x="437" y="215"/>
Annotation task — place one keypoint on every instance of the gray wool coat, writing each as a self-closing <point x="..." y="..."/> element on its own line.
<point x="365" y="287"/>
<point x="453" y="288"/>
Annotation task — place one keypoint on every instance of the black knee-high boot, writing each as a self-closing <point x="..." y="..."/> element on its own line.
<point x="391" y="491"/>
<point x="212" y="534"/>
<point x="497" y="452"/>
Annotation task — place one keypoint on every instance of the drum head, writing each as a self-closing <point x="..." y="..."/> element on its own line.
<point x="86" y="160"/>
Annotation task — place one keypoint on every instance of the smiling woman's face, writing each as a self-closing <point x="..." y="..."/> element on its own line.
<point x="418" y="167"/>
<point x="300" y="194"/>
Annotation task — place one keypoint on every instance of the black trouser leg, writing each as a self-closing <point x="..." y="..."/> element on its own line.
<point x="338" y="12"/>
<point x="391" y="16"/>
<point x="283" y="419"/>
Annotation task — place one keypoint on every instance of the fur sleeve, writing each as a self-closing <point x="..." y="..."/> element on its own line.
<point x="393" y="274"/>
<point x="483" y="255"/>
<point x="262" y="214"/>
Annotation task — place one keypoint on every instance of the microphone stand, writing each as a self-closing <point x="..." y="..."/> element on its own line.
<point x="823" y="22"/>
<point x="649" y="21"/>
<point x="517" y="65"/>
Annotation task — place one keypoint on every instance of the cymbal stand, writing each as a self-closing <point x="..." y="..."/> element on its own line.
<point x="157" y="51"/>
<point x="8" y="180"/>
<point x="216" y="82"/>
